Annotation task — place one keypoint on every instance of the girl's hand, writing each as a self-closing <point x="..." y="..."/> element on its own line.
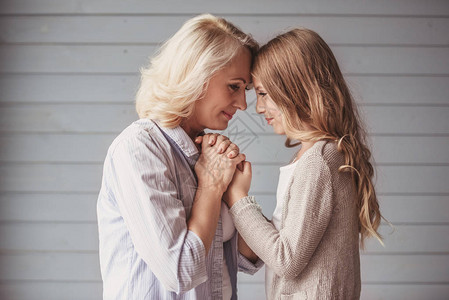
<point x="240" y="184"/>
<point x="215" y="168"/>
<point x="223" y="143"/>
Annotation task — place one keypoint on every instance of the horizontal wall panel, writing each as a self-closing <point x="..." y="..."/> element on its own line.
<point x="369" y="291"/>
<point x="50" y="266"/>
<point x="384" y="7"/>
<point x="405" y="291"/>
<point x="48" y="237"/>
<point x="17" y="236"/>
<point x="53" y="207"/>
<point x="31" y="88"/>
<point x="51" y="290"/>
<point x="67" y="118"/>
<point x="74" y="59"/>
<point x="129" y="58"/>
<point x="61" y="207"/>
<point x="392" y="60"/>
<point x="415" y="209"/>
<point x="87" y="178"/>
<point x="410" y="239"/>
<point x="46" y="88"/>
<point x="50" y="178"/>
<point x="244" y="128"/>
<point x="47" y="147"/>
<point x="156" y="29"/>
<point x="399" y="90"/>
<point x="55" y="147"/>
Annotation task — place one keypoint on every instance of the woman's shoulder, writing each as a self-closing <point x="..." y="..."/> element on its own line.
<point x="141" y="133"/>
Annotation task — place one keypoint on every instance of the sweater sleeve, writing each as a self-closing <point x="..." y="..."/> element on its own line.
<point x="306" y="214"/>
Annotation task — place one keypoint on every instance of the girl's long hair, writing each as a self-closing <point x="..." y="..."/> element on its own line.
<point x="300" y="73"/>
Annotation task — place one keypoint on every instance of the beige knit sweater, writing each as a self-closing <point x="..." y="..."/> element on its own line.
<point x="315" y="254"/>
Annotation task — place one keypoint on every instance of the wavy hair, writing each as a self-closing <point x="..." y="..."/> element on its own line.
<point x="180" y="72"/>
<point x="302" y="76"/>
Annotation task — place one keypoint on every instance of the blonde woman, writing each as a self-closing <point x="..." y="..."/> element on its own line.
<point x="163" y="232"/>
<point x="326" y="202"/>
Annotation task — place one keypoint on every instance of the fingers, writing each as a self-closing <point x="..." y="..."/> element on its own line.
<point x="239" y="159"/>
<point x="221" y="142"/>
<point x="223" y="146"/>
<point x="247" y="168"/>
<point x="199" y="139"/>
<point x="210" y="139"/>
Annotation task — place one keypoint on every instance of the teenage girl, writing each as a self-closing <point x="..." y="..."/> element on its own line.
<point x="326" y="202"/>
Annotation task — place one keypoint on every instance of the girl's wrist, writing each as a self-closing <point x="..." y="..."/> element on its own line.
<point x="236" y="197"/>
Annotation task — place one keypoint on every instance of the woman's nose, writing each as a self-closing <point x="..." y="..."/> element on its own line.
<point x="241" y="102"/>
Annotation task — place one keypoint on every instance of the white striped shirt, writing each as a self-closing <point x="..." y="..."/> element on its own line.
<point x="146" y="250"/>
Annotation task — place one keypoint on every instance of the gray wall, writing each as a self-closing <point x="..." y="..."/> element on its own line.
<point x="68" y="73"/>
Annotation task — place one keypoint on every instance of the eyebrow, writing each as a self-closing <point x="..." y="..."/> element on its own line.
<point x="239" y="78"/>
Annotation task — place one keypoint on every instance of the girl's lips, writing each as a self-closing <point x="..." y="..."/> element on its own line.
<point x="228" y="116"/>
<point x="269" y="120"/>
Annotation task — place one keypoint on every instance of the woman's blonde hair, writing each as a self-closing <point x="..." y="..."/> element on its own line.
<point x="300" y="73"/>
<point x="180" y="72"/>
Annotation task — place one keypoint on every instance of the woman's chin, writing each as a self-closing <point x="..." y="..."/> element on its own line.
<point x="218" y="126"/>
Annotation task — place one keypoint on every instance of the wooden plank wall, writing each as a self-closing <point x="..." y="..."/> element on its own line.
<point x="68" y="73"/>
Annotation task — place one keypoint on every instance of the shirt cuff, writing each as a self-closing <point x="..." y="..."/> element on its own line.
<point x="247" y="266"/>
<point x="197" y="253"/>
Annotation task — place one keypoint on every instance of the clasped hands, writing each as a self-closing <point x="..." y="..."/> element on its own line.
<point x="222" y="166"/>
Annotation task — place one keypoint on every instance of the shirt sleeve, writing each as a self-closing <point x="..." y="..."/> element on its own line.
<point x="143" y="184"/>
<point x="246" y="266"/>
<point x="289" y="250"/>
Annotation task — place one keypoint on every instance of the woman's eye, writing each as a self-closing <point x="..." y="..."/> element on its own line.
<point x="235" y="87"/>
<point x="262" y="94"/>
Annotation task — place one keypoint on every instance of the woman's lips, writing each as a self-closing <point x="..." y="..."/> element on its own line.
<point x="269" y="120"/>
<point x="228" y="116"/>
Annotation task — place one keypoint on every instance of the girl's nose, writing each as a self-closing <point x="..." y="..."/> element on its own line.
<point x="260" y="106"/>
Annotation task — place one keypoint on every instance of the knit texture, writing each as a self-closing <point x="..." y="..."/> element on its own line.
<point x="315" y="254"/>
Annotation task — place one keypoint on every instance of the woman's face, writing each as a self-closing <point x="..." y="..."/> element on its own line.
<point x="224" y="95"/>
<point x="266" y="106"/>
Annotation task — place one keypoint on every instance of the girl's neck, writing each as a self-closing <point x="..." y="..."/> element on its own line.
<point x="304" y="147"/>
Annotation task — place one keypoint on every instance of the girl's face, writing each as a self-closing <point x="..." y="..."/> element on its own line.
<point x="266" y="106"/>
<point x="224" y="95"/>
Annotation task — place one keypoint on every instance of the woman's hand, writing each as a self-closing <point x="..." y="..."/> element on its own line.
<point x="223" y="143"/>
<point x="217" y="163"/>
<point x="240" y="184"/>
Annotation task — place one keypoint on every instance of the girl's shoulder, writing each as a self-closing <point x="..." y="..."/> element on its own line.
<point x="322" y="153"/>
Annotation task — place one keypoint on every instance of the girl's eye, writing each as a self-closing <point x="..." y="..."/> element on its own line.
<point x="262" y="94"/>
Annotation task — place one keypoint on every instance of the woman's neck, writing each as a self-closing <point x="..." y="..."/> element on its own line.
<point x="191" y="131"/>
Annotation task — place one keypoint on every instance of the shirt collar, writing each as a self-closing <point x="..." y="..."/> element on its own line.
<point x="181" y="138"/>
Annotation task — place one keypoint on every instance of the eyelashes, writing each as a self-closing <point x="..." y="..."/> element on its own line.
<point x="234" y="87"/>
